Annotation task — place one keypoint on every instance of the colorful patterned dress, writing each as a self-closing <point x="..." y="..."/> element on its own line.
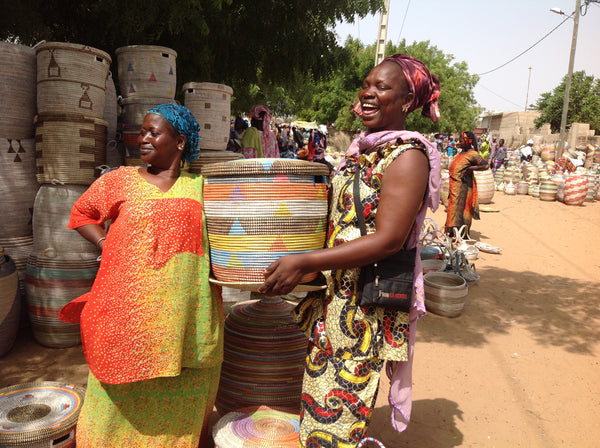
<point x="463" y="201"/>
<point x="152" y="324"/>
<point x="348" y="344"/>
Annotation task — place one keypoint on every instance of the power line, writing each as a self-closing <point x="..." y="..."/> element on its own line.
<point x="522" y="53"/>
<point x="403" y="20"/>
<point x="499" y="96"/>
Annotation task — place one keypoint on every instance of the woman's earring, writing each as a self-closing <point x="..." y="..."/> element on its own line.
<point x="180" y="148"/>
<point x="405" y="107"/>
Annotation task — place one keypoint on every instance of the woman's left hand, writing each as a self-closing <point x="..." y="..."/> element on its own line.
<point x="282" y="276"/>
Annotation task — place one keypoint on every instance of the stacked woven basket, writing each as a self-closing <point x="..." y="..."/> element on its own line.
<point x="147" y="78"/>
<point x="548" y="180"/>
<point x="18" y="185"/>
<point x="210" y="103"/>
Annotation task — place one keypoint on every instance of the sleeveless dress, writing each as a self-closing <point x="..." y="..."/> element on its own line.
<point x="349" y="344"/>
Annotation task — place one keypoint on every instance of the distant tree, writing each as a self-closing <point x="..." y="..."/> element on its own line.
<point x="584" y="103"/>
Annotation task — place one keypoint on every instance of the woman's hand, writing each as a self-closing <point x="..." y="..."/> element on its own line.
<point x="282" y="276"/>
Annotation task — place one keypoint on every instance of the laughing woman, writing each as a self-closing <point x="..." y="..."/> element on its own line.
<point x="399" y="173"/>
<point x="151" y="325"/>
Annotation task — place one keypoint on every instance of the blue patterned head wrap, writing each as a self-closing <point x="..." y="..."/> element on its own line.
<point x="184" y="122"/>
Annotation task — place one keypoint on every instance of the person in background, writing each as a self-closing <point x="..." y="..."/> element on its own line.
<point x="526" y="151"/>
<point x="152" y="324"/>
<point x="259" y="140"/>
<point x="498" y="156"/>
<point x="235" y="140"/>
<point x="463" y="203"/>
<point x="484" y="148"/>
<point x="399" y="174"/>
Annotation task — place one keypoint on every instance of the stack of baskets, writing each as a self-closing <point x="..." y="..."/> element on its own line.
<point x="147" y="78"/>
<point x="18" y="184"/>
<point x="210" y="103"/>
<point x="70" y="130"/>
<point x="70" y="141"/>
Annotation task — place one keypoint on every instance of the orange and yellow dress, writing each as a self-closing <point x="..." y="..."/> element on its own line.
<point x="151" y="325"/>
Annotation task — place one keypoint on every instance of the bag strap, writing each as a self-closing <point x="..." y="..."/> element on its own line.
<point x="358" y="204"/>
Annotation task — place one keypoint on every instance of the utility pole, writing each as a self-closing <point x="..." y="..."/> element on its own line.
<point x="527" y="96"/>
<point x="563" y="120"/>
<point x="382" y="34"/>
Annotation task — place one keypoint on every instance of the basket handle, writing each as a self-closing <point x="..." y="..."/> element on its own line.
<point x="362" y="443"/>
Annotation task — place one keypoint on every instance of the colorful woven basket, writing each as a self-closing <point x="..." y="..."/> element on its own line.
<point x="263" y="363"/>
<point x="258" y="210"/>
<point x="258" y="427"/>
<point x="36" y="415"/>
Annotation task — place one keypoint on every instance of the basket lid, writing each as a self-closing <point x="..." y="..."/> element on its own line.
<point x="31" y="412"/>
<point x="146" y="48"/>
<point x="269" y="427"/>
<point x="265" y="166"/>
<point x="73" y="47"/>
<point x="206" y="86"/>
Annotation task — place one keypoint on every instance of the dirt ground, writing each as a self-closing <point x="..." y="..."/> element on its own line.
<point x="518" y="368"/>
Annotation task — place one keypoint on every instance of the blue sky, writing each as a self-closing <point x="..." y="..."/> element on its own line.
<point x="486" y="34"/>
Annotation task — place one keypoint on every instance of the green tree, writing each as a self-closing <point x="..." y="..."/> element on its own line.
<point x="584" y="103"/>
<point x="241" y="43"/>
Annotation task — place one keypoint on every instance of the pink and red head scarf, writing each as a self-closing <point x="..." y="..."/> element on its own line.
<point x="255" y="113"/>
<point x="424" y="84"/>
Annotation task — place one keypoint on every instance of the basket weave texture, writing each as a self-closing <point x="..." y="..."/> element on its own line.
<point x="258" y="427"/>
<point x="258" y="210"/>
<point x="50" y="412"/>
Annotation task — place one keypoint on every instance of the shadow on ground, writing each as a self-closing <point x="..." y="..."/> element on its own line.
<point x="432" y="425"/>
<point x="557" y="311"/>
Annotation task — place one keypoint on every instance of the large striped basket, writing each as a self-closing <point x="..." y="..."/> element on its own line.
<point x="263" y="363"/>
<point x="71" y="78"/>
<point x="70" y="148"/>
<point x="258" y="210"/>
<point x="593" y="184"/>
<point x="61" y="267"/>
<point x="39" y="415"/>
<point x="575" y="190"/>
<point x="17" y="90"/>
<point x="548" y="190"/>
<point x="485" y="185"/>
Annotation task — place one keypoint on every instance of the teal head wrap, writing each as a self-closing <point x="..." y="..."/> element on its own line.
<point x="184" y="122"/>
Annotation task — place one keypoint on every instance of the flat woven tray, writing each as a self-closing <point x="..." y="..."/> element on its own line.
<point x="33" y="412"/>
